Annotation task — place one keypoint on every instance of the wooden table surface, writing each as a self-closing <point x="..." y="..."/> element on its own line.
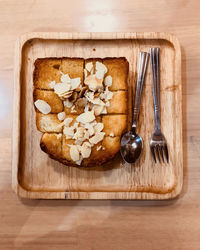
<point x="54" y="224"/>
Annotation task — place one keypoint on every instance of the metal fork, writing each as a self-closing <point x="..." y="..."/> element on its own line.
<point x="158" y="144"/>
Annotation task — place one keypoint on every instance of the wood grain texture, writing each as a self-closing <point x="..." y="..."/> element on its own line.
<point x="97" y="225"/>
<point x="35" y="175"/>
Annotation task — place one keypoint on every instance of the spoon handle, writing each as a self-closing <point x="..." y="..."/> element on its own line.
<point x="155" y="72"/>
<point x="141" y="71"/>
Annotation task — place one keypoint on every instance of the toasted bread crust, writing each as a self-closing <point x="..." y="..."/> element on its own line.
<point x="53" y="141"/>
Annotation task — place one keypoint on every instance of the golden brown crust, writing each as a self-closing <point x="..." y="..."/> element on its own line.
<point x="118" y="69"/>
<point x="118" y="103"/>
<point x="53" y="141"/>
<point x="48" y="123"/>
<point x="52" y="144"/>
<point x="46" y="71"/>
<point x="110" y="146"/>
<point x="114" y="125"/>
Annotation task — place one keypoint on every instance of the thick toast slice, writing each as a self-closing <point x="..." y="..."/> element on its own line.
<point x="54" y="140"/>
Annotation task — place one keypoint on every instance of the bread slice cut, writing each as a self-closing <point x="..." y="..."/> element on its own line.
<point x="51" y="98"/>
<point x="54" y="141"/>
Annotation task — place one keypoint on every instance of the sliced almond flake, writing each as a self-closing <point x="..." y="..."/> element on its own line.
<point x="65" y="78"/>
<point x="86" y="125"/>
<point x="79" y="133"/>
<point x="67" y="103"/>
<point x="86" y="134"/>
<point x="99" y="147"/>
<point x="107" y="104"/>
<point x="85" y="73"/>
<point x="75" y="82"/>
<point x="97" y="138"/>
<point x="75" y="125"/>
<point x="101" y="66"/>
<point x="65" y="97"/>
<point x="99" y="74"/>
<point x="98" y="109"/>
<point x="86" y="109"/>
<point x="89" y="66"/>
<point x="93" y="123"/>
<point x="52" y="84"/>
<point x="79" y="161"/>
<point x="74" y="153"/>
<point x="98" y="101"/>
<point x="86" y="117"/>
<point x="85" y="150"/>
<point x="61" y="116"/>
<point x="68" y="132"/>
<point x="102" y="96"/>
<point x="67" y="121"/>
<point x="89" y="95"/>
<point x="62" y="88"/>
<point x="100" y="90"/>
<point x="108" y="81"/>
<point x="66" y="92"/>
<point x="111" y="134"/>
<point x="43" y="106"/>
<point x="89" y="99"/>
<point x="104" y="111"/>
<point x="90" y="128"/>
<point x="98" y="127"/>
<point x="109" y="95"/>
<point x="93" y="83"/>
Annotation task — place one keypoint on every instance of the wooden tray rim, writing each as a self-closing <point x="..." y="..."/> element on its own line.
<point x="19" y="190"/>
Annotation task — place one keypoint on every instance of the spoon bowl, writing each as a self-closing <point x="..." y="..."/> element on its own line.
<point x="131" y="146"/>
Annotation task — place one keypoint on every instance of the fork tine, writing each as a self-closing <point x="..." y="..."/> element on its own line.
<point x="161" y="153"/>
<point x="157" y="151"/>
<point x="153" y="153"/>
<point x="166" y="153"/>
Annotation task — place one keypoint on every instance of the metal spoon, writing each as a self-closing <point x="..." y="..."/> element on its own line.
<point x="131" y="142"/>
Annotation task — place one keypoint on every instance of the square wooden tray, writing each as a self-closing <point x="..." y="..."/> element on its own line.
<point x="35" y="175"/>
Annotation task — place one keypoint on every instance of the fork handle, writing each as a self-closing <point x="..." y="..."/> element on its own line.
<point x="142" y="66"/>
<point x="155" y="73"/>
